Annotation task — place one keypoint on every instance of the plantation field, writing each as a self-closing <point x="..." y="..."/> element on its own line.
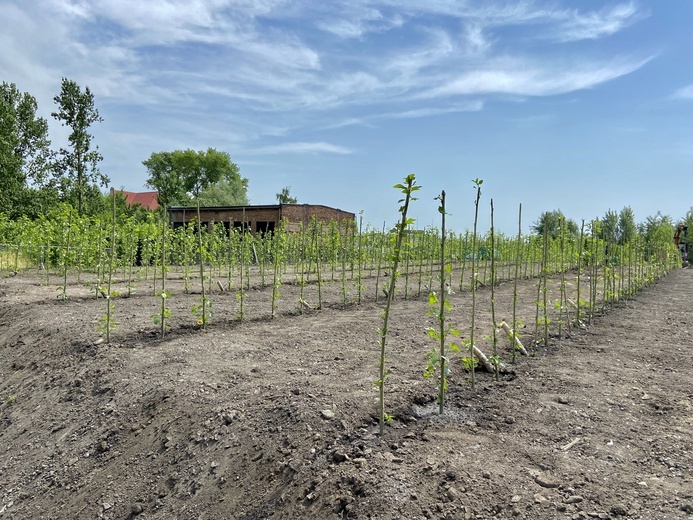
<point x="277" y="418"/>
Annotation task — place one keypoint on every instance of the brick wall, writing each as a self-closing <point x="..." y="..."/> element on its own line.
<point x="259" y="218"/>
<point x="296" y="213"/>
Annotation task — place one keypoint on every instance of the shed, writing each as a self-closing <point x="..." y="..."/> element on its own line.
<point x="258" y="219"/>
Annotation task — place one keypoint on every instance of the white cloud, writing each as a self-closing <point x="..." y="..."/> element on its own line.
<point x="359" y="20"/>
<point x="349" y="121"/>
<point x="409" y="61"/>
<point x="684" y="93"/>
<point x="522" y="78"/>
<point x="594" y="25"/>
<point x="226" y="48"/>
<point x="477" y="43"/>
<point x="301" y="148"/>
<point x="472" y="106"/>
<point x="268" y="67"/>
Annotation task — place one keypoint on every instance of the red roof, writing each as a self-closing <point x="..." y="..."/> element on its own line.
<point x="146" y="199"/>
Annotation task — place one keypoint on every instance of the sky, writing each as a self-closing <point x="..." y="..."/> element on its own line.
<point x="583" y="106"/>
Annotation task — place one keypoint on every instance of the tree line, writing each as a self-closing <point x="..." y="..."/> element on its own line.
<point x="35" y="177"/>
<point x="614" y="228"/>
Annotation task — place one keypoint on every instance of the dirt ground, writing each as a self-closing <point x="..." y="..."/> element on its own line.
<point x="276" y="418"/>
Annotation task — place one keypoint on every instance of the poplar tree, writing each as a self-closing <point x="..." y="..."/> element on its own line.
<point x="77" y="167"/>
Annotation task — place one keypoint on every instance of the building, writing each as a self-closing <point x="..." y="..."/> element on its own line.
<point x="258" y="219"/>
<point x="146" y="199"/>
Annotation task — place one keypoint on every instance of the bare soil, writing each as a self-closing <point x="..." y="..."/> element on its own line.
<point x="276" y="418"/>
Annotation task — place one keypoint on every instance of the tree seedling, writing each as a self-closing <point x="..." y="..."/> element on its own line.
<point x="440" y="306"/>
<point x="408" y="188"/>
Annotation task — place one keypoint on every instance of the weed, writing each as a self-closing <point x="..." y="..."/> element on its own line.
<point x="159" y="318"/>
<point x="203" y="311"/>
<point x="106" y="323"/>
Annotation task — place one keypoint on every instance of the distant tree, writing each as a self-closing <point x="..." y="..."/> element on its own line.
<point x="608" y="230"/>
<point x="284" y="196"/>
<point x="165" y="179"/>
<point x="688" y="220"/>
<point x="627" y="229"/>
<point x="207" y="176"/>
<point x="77" y="167"/>
<point x="657" y="229"/>
<point x="24" y="151"/>
<point x="230" y="190"/>
<point x="552" y="222"/>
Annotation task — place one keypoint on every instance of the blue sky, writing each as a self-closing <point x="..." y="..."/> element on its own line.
<point x="582" y="106"/>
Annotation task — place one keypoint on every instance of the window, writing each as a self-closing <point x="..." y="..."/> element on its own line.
<point x="264" y="227"/>
<point x="243" y="227"/>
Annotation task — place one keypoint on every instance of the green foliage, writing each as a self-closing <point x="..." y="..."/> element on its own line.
<point x="203" y="311"/>
<point x="159" y="317"/>
<point x="106" y="323"/>
<point x="240" y="301"/>
<point x="284" y="196"/>
<point x="439" y="307"/>
<point x="207" y="176"/>
<point x="434" y="362"/>
<point x="408" y="188"/>
<point x="469" y="364"/>
<point x="166" y="179"/>
<point x="278" y="239"/>
<point x="657" y="229"/>
<point x="688" y="220"/>
<point x="551" y="222"/>
<point x="124" y="211"/>
<point x="24" y="153"/>
<point x="609" y="227"/>
<point x="76" y="169"/>
<point x="437" y="363"/>
<point x="164" y="314"/>
<point x="627" y="229"/>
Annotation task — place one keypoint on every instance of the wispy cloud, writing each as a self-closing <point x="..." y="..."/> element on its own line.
<point x="524" y="78"/>
<point x="287" y="65"/>
<point x="472" y="106"/>
<point x="684" y="93"/>
<point x="371" y="121"/>
<point x="359" y="21"/>
<point x="597" y="24"/>
<point x="228" y="48"/>
<point x="301" y="148"/>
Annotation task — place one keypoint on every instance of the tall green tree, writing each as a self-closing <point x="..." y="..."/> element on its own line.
<point x="165" y="179"/>
<point x="207" y="176"/>
<point x="77" y="167"/>
<point x="230" y="190"/>
<point x="284" y="196"/>
<point x="627" y="229"/>
<point x="24" y="150"/>
<point x="608" y="231"/>
<point x="658" y="230"/>
<point x="551" y="221"/>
